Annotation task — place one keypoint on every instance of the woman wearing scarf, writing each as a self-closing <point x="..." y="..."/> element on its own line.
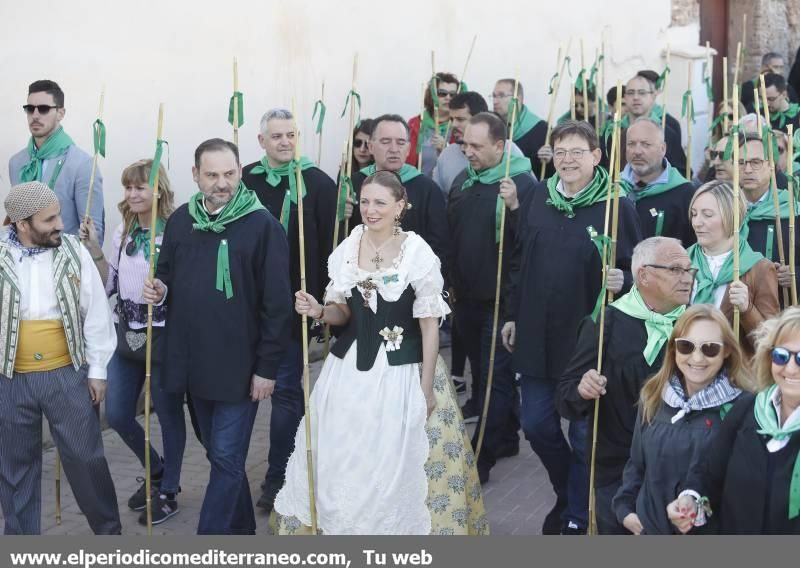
<point x="124" y="274"/>
<point x="751" y="482"/>
<point x="681" y="410"/>
<point x="424" y="133"/>
<point x="756" y="294"/>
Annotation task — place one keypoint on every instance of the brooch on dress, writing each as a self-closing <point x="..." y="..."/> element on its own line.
<point x="393" y="337"/>
<point x="368" y="286"/>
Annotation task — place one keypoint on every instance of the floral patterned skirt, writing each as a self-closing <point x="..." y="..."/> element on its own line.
<point x="454" y="500"/>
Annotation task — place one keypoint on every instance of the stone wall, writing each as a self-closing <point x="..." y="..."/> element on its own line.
<point x="685" y="12"/>
<point x="773" y="25"/>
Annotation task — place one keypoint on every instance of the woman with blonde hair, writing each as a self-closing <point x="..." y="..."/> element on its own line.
<point x="124" y="274"/>
<point x="756" y="293"/>
<point x="751" y="482"/>
<point x="681" y="410"/>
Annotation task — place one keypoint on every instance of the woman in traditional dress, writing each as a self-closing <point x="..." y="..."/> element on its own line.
<point x="390" y="452"/>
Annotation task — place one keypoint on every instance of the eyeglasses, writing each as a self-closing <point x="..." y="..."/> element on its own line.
<point x="43" y="109"/>
<point x="500" y="96"/>
<point x="441" y="93"/>
<point x="575" y="153"/>
<point x="755" y="164"/>
<point x="358" y="143"/>
<point x="708" y="348"/>
<point x="781" y="356"/>
<point x="714" y="154"/>
<point x="640" y="93"/>
<point x="676" y="271"/>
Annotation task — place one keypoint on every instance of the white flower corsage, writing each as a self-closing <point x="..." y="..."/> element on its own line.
<point x="393" y="337"/>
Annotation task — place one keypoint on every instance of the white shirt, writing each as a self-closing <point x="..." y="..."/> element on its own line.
<point x="562" y="191"/>
<point x="776" y="445"/>
<point x="38" y="302"/>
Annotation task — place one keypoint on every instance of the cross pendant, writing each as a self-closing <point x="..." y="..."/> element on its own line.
<point x="377" y="259"/>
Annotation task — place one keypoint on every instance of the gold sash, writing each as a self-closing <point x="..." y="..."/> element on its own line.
<point x="42" y="346"/>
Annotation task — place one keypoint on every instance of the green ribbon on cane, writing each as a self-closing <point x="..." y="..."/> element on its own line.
<point x="662" y="77"/>
<point x="347" y="190"/>
<point x="685" y="107"/>
<point x="357" y="98"/>
<point x="319" y="106"/>
<point x="603" y="244"/>
<point x="156" y="162"/>
<point x="239" y="97"/>
<point x="99" y="137"/>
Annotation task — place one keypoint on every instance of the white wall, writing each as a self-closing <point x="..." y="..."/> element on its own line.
<point x="180" y="53"/>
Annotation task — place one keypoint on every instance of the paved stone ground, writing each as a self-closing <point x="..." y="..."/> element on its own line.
<point x="517" y="497"/>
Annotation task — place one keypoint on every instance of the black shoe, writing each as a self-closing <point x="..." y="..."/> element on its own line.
<point x="460" y="385"/>
<point x="572" y="529"/>
<point x="552" y="522"/>
<point x="267" y="499"/>
<point x="470" y="411"/>
<point x="507" y="451"/>
<point x="163" y="508"/>
<point x="138" y="501"/>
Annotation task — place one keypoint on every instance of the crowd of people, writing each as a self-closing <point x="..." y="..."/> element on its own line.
<point x="696" y="424"/>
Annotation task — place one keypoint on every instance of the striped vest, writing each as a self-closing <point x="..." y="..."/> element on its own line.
<point x="67" y="280"/>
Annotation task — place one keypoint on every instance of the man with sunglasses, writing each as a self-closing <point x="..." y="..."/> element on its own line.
<point x="755" y="181"/>
<point x="53" y="158"/>
<point x="390" y="144"/>
<point x="556" y="279"/>
<point x="659" y="190"/>
<point x="425" y="136"/>
<point x="273" y="179"/>
<point x="637" y="328"/>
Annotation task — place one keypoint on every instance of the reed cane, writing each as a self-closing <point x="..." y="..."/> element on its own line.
<point x="560" y="64"/>
<point x="496" y="314"/>
<point x="664" y="91"/>
<point x="790" y="175"/>
<point x="235" y="102"/>
<point x="349" y="164"/>
<point x="321" y="125"/>
<point x="736" y="212"/>
<point x="88" y="212"/>
<point x="689" y="122"/>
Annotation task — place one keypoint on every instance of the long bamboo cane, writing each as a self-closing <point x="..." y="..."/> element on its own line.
<point x="596" y="97"/>
<point x="321" y="126"/>
<point x="744" y="41"/>
<point x="461" y="83"/>
<point x="613" y="181"/>
<point x="340" y="188"/>
<point x="572" y="112"/>
<point x="434" y="87"/>
<point x="738" y="66"/>
<point x="773" y="184"/>
<point x="584" y="87"/>
<point x="790" y="175"/>
<point x="689" y="123"/>
<point x="561" y="62"/>
<point x="711" y="109"/>
<point x="725" y="97"/>
<point x="496" y="314"/>
<point x="88" y="212"/>
<point x="664" y="91"/>
<point x="736" y="212"/>
<point x="601" y="91"/>
<point x="235" y="102"/>
<point x="349" y="164"/>
<point x="148" y="361"/>
<point x="418" y="141"/>
<point x="312" y="501"/>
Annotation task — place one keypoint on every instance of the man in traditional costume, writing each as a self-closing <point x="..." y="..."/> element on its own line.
<point x="274" y="181"/>
<point x="474" y="212"/>
<point x="660" y="192"/>
<point x="223" y="273"/>
<point x="637" y="328"/>
<point x="53" y="158"/>
<point x="56" y="322"/>
<point x="556" y="281"/>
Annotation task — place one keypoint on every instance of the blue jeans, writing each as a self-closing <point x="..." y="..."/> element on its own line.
<point x="287" y="412"/>
<point x="226" y="428"/>
<point x="474" y="323"/>
<point x="125" y="382"/>
<point x="566" y="463"/>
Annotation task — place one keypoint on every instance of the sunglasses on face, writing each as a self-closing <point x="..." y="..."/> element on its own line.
<point x="359" y="143"/>
<point x="781" y="356"/>
<point x="441" y="93"/>
<point x="43" y="109"/>
<point x="714" y="154"/>
<point x="709" y="349"/>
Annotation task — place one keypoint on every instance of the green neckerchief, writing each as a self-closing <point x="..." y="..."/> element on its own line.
<point x="519" y="165"/>
<point x="274" y="176"/>
<point x="706" y="283"/>
<point x="674" y="179"/>
<point x="243" y="203"/>
<point x="55" y="145"/>
<point x="525" y="121"/>
<point x="426" y="125"/>
<point x="593" y="193"/>
<point x="658" y="326"/>
<point x="769" y="425"/>
<point x="782" y="115"/>
<point x="764" y="210"/>
<point x="406" y="173"/>
<point x="141" y="237"/>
